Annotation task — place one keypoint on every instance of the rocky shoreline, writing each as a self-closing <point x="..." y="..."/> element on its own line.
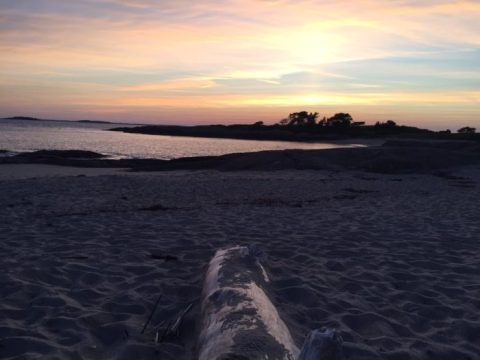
<point x="394" y="156"/>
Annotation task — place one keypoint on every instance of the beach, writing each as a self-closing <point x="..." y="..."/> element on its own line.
<point x="389" y="260"/>
<point x="239" y="180"/>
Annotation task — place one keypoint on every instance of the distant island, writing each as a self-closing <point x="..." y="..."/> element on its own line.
<point x="304" y="126"/>
<point x="21" y="118"/>
<point x="37" y="119"/>
<point x="94" y="122"/>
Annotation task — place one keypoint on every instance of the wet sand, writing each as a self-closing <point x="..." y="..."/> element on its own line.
<point x="391" y="261"/>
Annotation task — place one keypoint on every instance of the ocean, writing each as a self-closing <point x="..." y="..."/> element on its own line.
<point x="30" y="135"/>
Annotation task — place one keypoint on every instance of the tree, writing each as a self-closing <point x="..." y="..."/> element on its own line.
<point x="258" y="124"/>
<point x="312" y="118"/>
<point x="467" y="130"/>
<point x="386" y="124"/>
<point x="391" y="123"/>
<point x="302" y="118"/>
<point x="340" y="120"/>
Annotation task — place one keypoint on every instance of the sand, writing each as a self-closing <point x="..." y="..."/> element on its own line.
<point x="390" y="261"/>
<point x="28" y="171"/>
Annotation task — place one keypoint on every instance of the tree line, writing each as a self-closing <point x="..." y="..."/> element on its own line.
<point x="340" y="121"/>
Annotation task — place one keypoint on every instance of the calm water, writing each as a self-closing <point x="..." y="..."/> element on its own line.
<point x="25" y="135"/>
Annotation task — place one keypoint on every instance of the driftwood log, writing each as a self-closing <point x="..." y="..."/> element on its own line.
<point x="240" y="322"/>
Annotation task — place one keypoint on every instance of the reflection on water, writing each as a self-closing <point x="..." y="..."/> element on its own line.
<point x="25" y="135"/>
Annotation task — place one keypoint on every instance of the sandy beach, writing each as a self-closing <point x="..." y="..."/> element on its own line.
<point x="239" y="180"/>
<point x="390" y="261"/>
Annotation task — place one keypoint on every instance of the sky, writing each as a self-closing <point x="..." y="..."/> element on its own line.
<point x="241" y="61"/>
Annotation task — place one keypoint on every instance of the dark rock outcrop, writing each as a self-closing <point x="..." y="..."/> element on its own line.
<point x="392" y="158"/>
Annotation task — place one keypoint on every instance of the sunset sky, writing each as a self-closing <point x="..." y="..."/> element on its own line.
<point x="205" y="61"/>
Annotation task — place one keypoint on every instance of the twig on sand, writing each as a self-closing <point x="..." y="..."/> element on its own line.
<point x="151" y="314"/>
<point x="176" y="325"/>
<point x="173" y="326"/>
<point x="158" y="331"/>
